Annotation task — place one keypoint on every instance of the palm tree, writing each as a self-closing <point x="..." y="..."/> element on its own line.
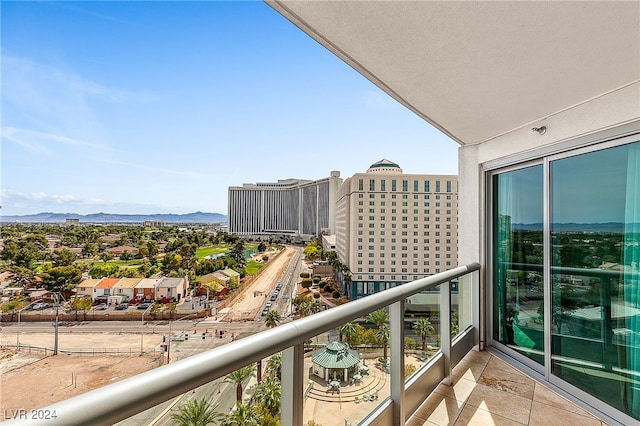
<point x="272" y="318"/>
<point x="274" y="365"/>
<point x="382" y="334"/>
<point x="237" y="378"/>
<point x="197" y="412"/>
<point x="268" y="394"/>
<point x="381" y="318"/>
<point x="243" y="415"/>
<point x="347" y="329"/>
<point x="424" y="329"/>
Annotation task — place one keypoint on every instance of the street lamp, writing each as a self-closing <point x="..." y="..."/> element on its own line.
<point x="170" y="334"/>
<point x="142" y="332"/>
<point x="19" y="312"/>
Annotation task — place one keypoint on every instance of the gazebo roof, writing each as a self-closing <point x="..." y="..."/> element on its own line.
<point x="335" y="355"/>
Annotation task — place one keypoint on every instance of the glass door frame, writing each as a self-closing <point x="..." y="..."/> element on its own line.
<point x="607" y="139"/>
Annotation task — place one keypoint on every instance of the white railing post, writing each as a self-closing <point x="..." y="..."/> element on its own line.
<point x="396" y="341"/>
<point x="445" y="329"/>
<point x="292" y="398"/>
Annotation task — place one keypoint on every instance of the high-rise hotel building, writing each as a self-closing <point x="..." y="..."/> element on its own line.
<point x="290" y="208"/>
<point x="392" y="228"/>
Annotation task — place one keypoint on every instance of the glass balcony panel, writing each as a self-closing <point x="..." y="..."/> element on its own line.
<point x="421" y="330"/>
<point x="346" y="372"/>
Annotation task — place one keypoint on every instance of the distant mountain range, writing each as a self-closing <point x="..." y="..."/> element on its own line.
<point x="48" y="217"/>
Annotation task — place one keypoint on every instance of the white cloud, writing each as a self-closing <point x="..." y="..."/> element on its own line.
<point x="36" y="141"/>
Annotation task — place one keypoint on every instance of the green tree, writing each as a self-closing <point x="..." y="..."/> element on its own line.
<point x="423" y="328"/>
<point x="64" y="257"/>
<point x="78" y="304"/>
<point x="237" y="253"/>
<point x="268" y="394"/>
<point x="197" y="412"/>
<point x="105" y="256"/>
<point x="61" y="278"/>
<point x="14" y="304"/>
<point x="126" y="256"/>
<point x="243" y="415"/>
<point x="347" y="330"/>
<point x="381" y="318"/>
<point x="237" y="378"/>
<point x="272" y="318"/>
<point x="382" y="334"/>
<point x="22" y="277"/>
<point x="262" y="247"/>
<point x="27" y="255"/>
<point x="89" y="249"/>
<point x="274" y="365"/>
<point x="171" y="307"/>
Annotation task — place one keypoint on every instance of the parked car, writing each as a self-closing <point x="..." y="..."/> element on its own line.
<point x="101" y="307"/>
<point x="264" y="311"/>
<point x="268" y="305"/>
<point x="274" y="297"/>
<point x="142" y="306"/>
<point x="187" y="299"/>
<point x="122" y="306"/>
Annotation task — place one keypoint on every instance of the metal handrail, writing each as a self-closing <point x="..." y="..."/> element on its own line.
<point x="118" y="401"/>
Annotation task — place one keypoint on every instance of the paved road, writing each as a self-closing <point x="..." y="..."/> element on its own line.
<point x="219" y="392"/>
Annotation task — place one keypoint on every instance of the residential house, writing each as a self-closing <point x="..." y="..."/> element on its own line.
<point x="172" y="288"/>
<point x="146" y="288"/>
<point x="104" y="288"/>
<point x="126" y="288"/>
<point x="85" y="288"/>
<point x="234" y="277"/>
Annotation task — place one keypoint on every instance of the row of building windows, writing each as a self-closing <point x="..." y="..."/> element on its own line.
<point x="404" y="255"/>
<point x="404" y="196"/>
<point x="426" y="185"/>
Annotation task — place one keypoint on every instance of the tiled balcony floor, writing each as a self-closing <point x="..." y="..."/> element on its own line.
<point x="487" y="391"/>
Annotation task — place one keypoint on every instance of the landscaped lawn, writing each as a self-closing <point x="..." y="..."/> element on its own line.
<point x="253" y="267"/>
<point x="206" y="251"/>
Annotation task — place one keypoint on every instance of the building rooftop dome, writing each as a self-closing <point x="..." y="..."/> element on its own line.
<point x="384" y="166"/>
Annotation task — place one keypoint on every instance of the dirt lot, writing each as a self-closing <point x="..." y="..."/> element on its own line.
<point x="61" y="377"/>
<point x="55" y="378"/>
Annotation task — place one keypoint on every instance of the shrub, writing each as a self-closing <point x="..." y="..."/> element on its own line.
<point x="304" y="275"/>
<point x="316" y="279"/>
<point x="328" y="288"/>
<point x="316" y="295"/>
<point x="335" y="294"/>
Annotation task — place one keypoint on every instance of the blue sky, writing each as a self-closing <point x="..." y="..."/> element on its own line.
<point x="159" y="107"/>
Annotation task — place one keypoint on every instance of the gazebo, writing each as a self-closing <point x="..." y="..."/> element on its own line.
<point x="336" y="358"/>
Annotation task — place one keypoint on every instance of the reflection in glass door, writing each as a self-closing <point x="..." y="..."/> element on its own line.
<point x="518" y="314"/>
<point x="595" y="253"/>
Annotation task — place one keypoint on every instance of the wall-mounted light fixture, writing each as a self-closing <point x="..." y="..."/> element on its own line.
<point x="542" y="130"/>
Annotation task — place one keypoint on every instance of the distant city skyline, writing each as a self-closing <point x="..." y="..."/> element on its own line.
<point x="159" y="107"/>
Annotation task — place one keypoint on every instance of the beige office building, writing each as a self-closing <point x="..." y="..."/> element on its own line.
<point x="392" y="228"/>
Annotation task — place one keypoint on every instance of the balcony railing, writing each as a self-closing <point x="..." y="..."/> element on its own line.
<point x="118" y="401"/>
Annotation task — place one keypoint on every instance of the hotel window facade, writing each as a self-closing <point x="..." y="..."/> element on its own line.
<point x="350" y="249"/>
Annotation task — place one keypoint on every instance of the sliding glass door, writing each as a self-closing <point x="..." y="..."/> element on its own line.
<point x="518" y="245"/>
<point x="595" y="330"/>
<point x="566" y="242"/>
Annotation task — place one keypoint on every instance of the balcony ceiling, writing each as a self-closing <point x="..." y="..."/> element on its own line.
<point x="477" y="70"/>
